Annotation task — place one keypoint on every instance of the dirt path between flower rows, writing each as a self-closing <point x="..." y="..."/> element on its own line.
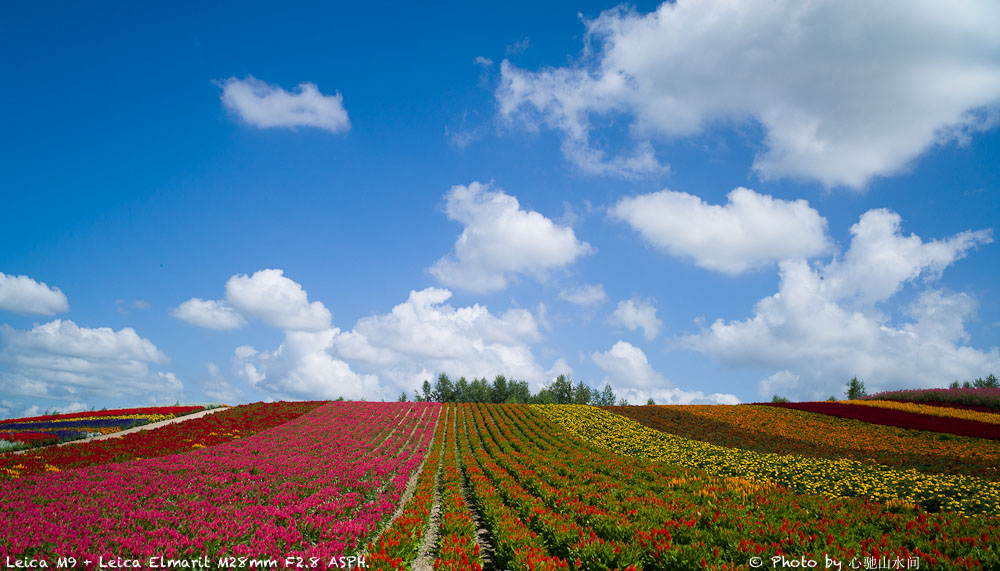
<point x="121" y="433"/>
<point x="484" y="539"/>
<point x="411" y="488"/>
<point x="425" y="557"/>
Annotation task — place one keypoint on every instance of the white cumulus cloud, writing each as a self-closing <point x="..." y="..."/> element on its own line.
<point x="749" y="231"/>
<point x="638" y="314"/>
<point x="303" y="367"/>
<point x="633" y="378"/>
<point x="210" y="313"/>
<point x="264" y="105"/>
<point x="22" y="294"/>
<point x="500" y="240"/>
<point x="880" y="259"/>
<point x="425" y="335"/>
<point x="823" y="326"/>
<point x="277" y="300"/>
<point x="844" y="91"/>
<point x="60" y="359"/>
<point x="267" y="295"/>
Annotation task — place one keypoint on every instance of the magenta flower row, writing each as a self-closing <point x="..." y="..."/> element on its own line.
<point x="317" y="486"/>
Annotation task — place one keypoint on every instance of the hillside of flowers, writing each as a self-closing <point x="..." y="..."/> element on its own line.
<point x="316" y="486"/>
<point x="841" y="478"/>
<point x="780" y="430"/>
<point x="982" y="398"/>
<point x="50" y="429"/>
<point x="558" y="502"/>
<point x="463" y="486"/>
<point x="898" y="418"/>
<point x="223" y="426"/>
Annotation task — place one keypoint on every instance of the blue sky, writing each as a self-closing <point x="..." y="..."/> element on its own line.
<point x="694" y="202"/>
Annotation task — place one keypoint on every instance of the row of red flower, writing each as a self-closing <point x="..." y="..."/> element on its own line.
<point x="898" y="418"/>
<point x="457" y="548"/>
<point x="314" y="487"/>
<point x="29" y="437"/>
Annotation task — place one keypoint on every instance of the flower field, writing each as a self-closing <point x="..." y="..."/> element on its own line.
<point x="230" y="424"/>
<point x="492" y="487"/>
<point x="985" y="399"/>
<point x="898" y="418"/>
<point x="316" y="486"/>
<point x="780" y="430"/>
<point x="56" y="428"/>
<point x="945" y="411"/>
<point x="841" y="478"/>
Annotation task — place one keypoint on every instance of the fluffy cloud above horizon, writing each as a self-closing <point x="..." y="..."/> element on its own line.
<point x="750" y="231"/>
<point x="267" y="295"/>
<point x="825" y="324"/>
<point x="425" y="335"/>
<point x="636" y="314"/>
<point x="500" y="240"/>
<point x="792" y="68"/>
<point x="634" y="379"/>
<point x="381" y="355"/>
<point x="61" y="360"/>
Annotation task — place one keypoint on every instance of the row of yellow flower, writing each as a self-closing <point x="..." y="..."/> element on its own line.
<point x="945" y="411"/>
<point x="837" y="478"/>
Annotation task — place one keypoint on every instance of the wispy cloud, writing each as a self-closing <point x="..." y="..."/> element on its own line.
<point x="264" y="105"/>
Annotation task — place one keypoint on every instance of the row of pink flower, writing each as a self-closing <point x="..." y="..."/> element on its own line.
<point x="318" y="486"/>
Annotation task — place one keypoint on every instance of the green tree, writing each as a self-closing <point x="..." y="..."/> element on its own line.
<point x="623" y="402"/>
<point x="650" y="401"/>
<point x="462" y="390"/>
<point x="518" y="392"/>
<point x="479" y="391"/>
<point x="500" y="390"/>
<point x="778" y="398"/>
<point x="427" y="391"/>
<point x="402" y="397"/>
<point x="544" y="396"/>
<point x="581" y="394"/>
<point x="990" y="382"/>
<point x="444" y="389"/>
<point x="604" y="398"/>
<point x="855" y="389"/>
<point x="562" y="390"/>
